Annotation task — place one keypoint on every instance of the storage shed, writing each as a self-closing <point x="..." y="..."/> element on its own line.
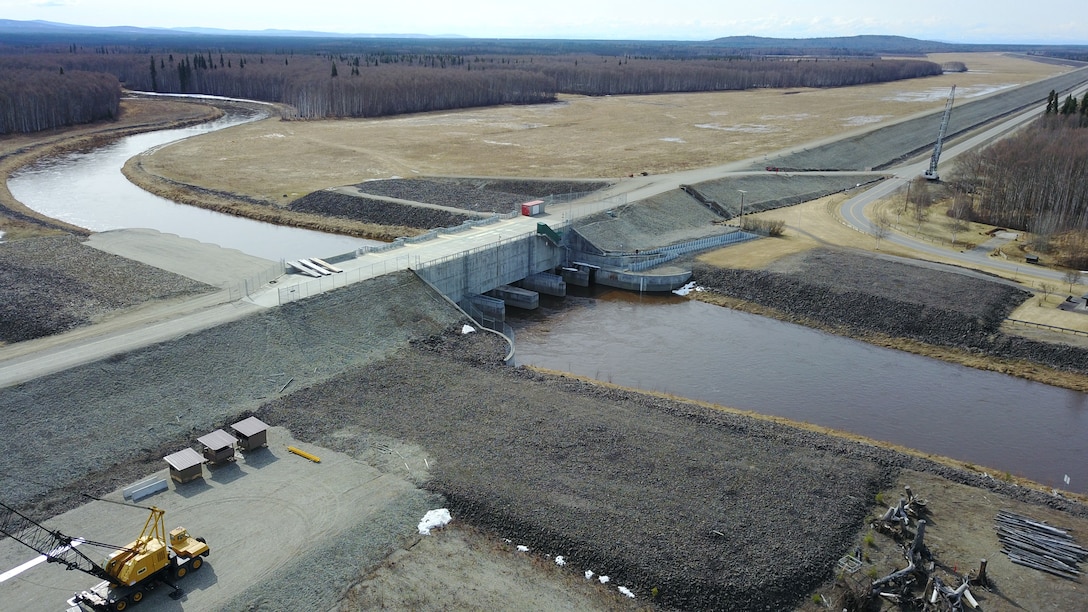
<point x="218" y="446"/>
<point x="252" y="433"/>
<point x="532" y="209"/>
<point x="185" y="465"/>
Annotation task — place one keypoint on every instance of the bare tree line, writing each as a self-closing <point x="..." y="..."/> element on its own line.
<point x="379" y="84"/>
<point x="612" y="76"/>
<point x="1036" y="181"/>
<point x="35" y="100"/>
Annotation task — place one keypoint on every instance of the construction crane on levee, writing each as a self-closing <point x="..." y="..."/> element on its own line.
<point x="931" y="173"/>
<point x="127" y="573"/>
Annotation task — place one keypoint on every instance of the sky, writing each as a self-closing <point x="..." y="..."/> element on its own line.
<point x="986" y="21"/>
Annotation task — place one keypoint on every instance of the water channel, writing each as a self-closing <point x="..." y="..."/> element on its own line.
<point x="662" y="343"/>
<point x="731" y="358"/>
<point x="87" y="189"/>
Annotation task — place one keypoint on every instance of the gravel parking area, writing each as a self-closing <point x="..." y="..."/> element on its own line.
<point x="55" y="284"/>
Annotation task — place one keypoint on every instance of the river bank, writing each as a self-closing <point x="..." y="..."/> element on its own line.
<point x="938" y="314"/>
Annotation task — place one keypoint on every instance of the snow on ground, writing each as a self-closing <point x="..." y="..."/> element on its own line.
<point x="467" y="329"/>
<point x="857" y="120"/>
<point x="688" y="288"/>
<point x="433" y="520"/>
<point x="560" y="560"/>
<point x="626" y="591"/>
<point x="523" y="548"/>
<point x="749" y="128"/>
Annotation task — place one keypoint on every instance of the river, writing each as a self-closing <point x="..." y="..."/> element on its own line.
<point x="693" y="349"/>
<point x="87" y="189"/>
<point x="661" y="343"/>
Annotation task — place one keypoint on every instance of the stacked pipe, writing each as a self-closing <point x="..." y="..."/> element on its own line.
<point x="1039" y="546"/>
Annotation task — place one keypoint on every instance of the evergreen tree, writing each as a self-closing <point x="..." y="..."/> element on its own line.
<point x="1069" y="107"/>
<point x="334" y="69"/>
<point x="154" y="75"/>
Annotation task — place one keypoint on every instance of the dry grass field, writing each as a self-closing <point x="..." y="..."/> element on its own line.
<point x="576" y="137"/>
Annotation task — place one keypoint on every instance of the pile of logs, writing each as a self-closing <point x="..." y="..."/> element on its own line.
<point x="1039" y="546"/>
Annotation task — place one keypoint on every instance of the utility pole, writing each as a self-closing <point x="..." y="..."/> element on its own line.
<point x="740" y="217"/>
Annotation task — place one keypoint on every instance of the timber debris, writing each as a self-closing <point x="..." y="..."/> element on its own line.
<point x="1035" y="544"/>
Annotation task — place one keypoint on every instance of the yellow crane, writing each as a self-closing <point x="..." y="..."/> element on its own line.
<point x="128" y="572"/>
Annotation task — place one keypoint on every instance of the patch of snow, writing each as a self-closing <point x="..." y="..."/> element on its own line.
<point x="795" y="117"/>
<point x="626" y="591"/>
<point x="274" y="135"/>
<point x="671" y="140"/>
<point x="857" y="120"/>
<point x="589" y="574"/>
<point x="688" y="288"/>
<point x="504" y="144"/>
<point x="467" y="329"/>
<point x="433" y="520"/>
<point x="523" y="548"/>
<point x="560" y="561"/>
<point x="604" y="579"/>
<point x="748" y="128"/>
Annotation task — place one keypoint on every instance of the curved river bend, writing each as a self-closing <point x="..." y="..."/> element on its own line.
<point x="87" y="189"/>
<point x="658" y="343"/>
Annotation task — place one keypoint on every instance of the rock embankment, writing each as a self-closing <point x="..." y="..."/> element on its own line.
<point x="54" y="284"/>
<point x="480" y="195"/>
<point x="864" y="295"/>
<point x="372" y="210"/>
<point x="476" y="195"/>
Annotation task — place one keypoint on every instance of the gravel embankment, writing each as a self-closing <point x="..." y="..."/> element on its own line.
<point x="884" y="147"/>
<point x="870" y="295"/>
<point x="715" y="511"/>
<point x="371" y="210"/>
<point x="55" y="284"/>
<point x="117" y="416"/>
<point x="480" y="195"/>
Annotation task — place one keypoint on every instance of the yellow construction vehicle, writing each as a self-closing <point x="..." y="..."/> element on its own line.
<point x="128" y="572"/>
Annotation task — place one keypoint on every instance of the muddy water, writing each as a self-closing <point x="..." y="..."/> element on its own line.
<point x="706" y="352"/>
<point x="87" y="189"/>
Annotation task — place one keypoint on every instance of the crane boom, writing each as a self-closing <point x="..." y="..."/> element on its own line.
<point x="931" y="173"/>
<point x="57" y="547"/>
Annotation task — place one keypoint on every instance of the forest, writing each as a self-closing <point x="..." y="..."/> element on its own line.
<point x="34" y="100"/>
<point x="1035" y="181"/>
<point x="375" y="82"/>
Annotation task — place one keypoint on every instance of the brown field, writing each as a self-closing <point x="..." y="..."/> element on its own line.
<point x="576" y="137"/>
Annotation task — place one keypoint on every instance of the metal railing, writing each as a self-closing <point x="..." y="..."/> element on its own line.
<point x="1064" y="330"/>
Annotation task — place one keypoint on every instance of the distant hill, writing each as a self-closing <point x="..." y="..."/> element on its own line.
<point x="22" y="34"/>
<point x="862" y="43"/>
<point x="11" y="26"/>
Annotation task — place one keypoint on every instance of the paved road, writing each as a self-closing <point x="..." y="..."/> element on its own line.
<point x="853" y="210"/>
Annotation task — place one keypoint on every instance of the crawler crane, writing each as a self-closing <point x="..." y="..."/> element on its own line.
<point x="931" y="173"/>
<point x="128" y="572"/>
